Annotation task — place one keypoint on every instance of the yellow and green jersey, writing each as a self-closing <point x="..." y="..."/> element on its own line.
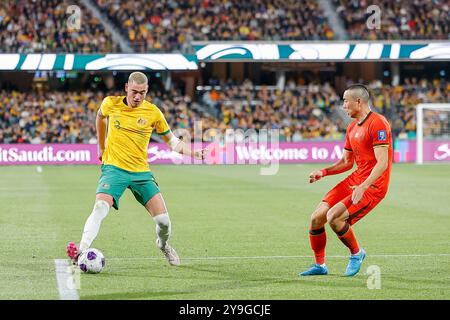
<point x="129" y="131"/>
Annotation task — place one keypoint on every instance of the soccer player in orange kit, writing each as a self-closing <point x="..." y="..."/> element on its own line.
<point x="368" y="143"/>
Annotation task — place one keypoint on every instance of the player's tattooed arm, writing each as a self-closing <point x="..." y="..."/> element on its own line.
<point x="344" y="164"/>
<point x="101" y="123"/>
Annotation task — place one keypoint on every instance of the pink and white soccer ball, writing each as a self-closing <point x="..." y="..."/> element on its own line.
<point x="91" y="261"/>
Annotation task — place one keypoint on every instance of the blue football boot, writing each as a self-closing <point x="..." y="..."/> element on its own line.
<point x="315" y="270"/>
<point x="354" y="263"/>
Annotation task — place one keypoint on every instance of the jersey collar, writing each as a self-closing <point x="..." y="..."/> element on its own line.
<point x="124" y="101"/>
<point x="368" y="115"/>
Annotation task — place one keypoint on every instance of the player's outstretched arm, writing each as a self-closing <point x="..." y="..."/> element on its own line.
<point x="344" y="164"/>
<point x="181" y="147"/>
<point x="101" y="123"/>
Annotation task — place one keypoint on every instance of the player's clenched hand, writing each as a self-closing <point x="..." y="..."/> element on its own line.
<point x="100" y="154"/>
<point x="200" y="154"/>
<point x="357" y="194"/>
<point x="315" y="175"/>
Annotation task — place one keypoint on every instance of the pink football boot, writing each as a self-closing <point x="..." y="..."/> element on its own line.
<point x="72" y="252"/>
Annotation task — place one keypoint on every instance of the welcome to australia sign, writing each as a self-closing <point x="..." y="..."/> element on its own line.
<point x="159" y="153"/>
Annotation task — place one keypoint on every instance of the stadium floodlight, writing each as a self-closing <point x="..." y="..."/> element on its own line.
<point x="433" y="123"/>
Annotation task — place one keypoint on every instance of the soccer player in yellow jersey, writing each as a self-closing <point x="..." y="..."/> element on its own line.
<point x="124" y="126"/>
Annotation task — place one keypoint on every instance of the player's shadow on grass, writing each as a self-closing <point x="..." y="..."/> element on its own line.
<point x="189" y="290"/>
<point x="220" y="280"/>
<point x="222" y="272"/>
<point x="224" y="280"/>
<point x="418" y="282"/>
<point x="242" y="278"/>
<point x="135" y="295"/>
<point x="195" y="272"/>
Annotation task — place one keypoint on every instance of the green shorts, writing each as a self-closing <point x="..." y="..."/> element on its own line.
<point x="114" y="181"/>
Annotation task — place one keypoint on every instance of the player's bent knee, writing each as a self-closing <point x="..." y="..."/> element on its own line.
<point x="100" y="211"/>
<point x="318" y="219"/>
<point x="332" y="215"/>
<point x="101" y="205"/>
<point x="105" y="197"/>
<point x="335" y="217"/>
<point x="162" y="219"/>
<point x="156" y="205"/>
<point x="319" y="216"/>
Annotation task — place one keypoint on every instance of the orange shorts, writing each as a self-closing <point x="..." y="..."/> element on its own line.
<point x="342" y="192"/>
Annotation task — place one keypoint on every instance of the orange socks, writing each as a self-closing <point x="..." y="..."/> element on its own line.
<point x="318" y="240"/>
<point x="348" y="238"/>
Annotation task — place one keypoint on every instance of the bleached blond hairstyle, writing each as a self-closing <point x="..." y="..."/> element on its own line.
<point x="138" y="78"/>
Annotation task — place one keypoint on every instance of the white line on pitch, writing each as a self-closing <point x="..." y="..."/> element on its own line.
<point x="66" y="283"/>
<point x="286" y="257"/>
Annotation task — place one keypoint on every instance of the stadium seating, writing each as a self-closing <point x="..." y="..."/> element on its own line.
<point x="300" y="112"/>
<point x="42" y="26"/>
<point x="48" y="117"/>
<point x="401" y="19"/>
<point x="399" y="103"/>
<point x="169" y="25"/>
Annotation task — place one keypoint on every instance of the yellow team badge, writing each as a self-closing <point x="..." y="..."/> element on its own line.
<point x="141" y="122"/>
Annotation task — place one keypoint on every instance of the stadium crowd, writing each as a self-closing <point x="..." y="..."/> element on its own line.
<point x="399" y="103"/>
<point x="69" y="117"/>
<point x="300" y="112"/>
<point x="48" y="117"/>
<point x="399" y="20"/>
<point x="46" y="26"/>
<point x="169" y="25"/>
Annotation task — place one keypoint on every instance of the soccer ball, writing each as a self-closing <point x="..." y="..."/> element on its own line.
<point x="91" y="261"/>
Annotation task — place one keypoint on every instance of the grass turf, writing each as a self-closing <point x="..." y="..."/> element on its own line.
<point x="240" y="235"/>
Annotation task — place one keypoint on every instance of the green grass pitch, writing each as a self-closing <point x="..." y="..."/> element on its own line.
<point x="240" y="235"/>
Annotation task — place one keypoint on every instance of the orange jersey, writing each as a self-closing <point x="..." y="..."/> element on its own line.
<point x="360" y="139"/>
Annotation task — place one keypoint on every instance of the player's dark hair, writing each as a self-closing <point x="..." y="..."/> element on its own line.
<point x="361" y="87"/>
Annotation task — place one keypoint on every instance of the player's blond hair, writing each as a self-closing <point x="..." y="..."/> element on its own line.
<point x="138" y="78"/>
